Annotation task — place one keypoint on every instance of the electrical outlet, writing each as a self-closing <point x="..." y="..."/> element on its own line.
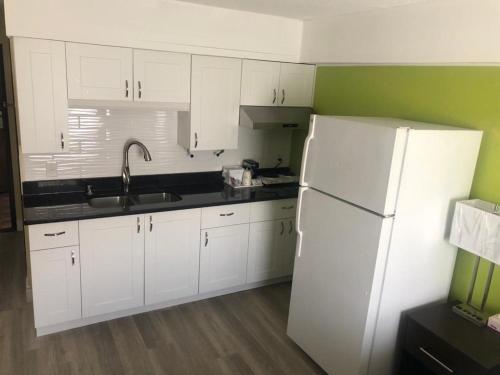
<point x="51" y="168"/>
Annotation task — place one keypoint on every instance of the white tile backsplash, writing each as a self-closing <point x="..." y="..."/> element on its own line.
<point x="96" y="137"/>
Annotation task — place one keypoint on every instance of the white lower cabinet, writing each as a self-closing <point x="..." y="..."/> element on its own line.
<point x="56" y="285"/>
<point x="172" y="255"/>
<point x="263" y="251"/>
<point x="112" y="264"/>
<point x="223" y="257"/>
<point x="287" y="243"/>
<point x="271" y="250"/>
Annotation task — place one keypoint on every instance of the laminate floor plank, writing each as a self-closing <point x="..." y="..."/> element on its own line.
<point x="241" y="333"/>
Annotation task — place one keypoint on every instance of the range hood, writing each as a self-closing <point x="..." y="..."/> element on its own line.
<point x="254" y="117"/>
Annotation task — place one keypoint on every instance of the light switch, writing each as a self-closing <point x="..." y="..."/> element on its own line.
<point x="51" y="168"/>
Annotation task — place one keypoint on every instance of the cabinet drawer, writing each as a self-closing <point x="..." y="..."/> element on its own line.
<point x="220" y="216"/>
<point x="51" y="235"/>
<point x="435" y="354"/>
<point x="271" y="210"/>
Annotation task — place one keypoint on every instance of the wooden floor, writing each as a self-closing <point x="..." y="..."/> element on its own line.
<point x="241" y="333"/>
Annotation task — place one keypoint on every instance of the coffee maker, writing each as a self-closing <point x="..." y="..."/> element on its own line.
<point x="250" y="164"/>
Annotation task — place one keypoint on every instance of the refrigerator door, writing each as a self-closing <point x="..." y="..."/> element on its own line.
<point x="339" y="267"/>
<point x="356" y="159"/>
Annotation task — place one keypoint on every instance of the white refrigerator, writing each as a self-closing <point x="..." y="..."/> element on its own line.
<point x="373" y="217"/>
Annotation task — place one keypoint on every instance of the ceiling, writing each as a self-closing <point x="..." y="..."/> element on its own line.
<point x="305" y="9"/>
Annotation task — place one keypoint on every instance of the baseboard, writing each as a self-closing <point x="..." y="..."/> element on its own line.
<point x="41" y="331"/>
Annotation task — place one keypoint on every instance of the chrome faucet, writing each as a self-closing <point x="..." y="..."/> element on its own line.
<point x="125" y="168"/>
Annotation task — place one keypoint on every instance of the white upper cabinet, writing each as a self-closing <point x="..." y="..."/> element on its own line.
<point x="172" y="255"/>
<point x="215" y="101"/>
<point x="112" y="264"/>
<point x="267" y="83"/>
<point x="99" y="72"/>
<point x="40" y="86"/>
<point x="260" y="83"/>
<point x="296" y="85"/>
<point x="162" y="76"/>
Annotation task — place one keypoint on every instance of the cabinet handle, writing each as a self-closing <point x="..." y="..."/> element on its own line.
<point x="72" y="257"/>
<point x="54" y="234"/>
<point x="228" y="214"/>
<point x="206" y="239"/>
<point x="282" y="228"/>
<point x="275" y="96"/>
<point x="195" y="139"/>
<point x="283" y="96"/>
<point x="287" y="207"/>
<point x="140" y="88"/>
<point x="436" y="360"/>
<point x="62" y="140"/>
<point x="138" y="225"/>
<point x="126" y="88"/>
<point x="291" y="228"/>
<point x="150" y="223"/>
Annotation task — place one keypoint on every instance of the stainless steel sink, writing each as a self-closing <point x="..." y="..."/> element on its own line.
<point x="110" y="202"/>
<point x="150" y="198"/>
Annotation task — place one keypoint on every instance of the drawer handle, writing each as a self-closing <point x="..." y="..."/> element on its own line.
<point x="206" y="239"/>
<point x="287" y="207"/>
<point x="282" y="228"/>
<point x="436" y="360"/>
<point x="228" y="214"/>
<point x="54" y="234"/>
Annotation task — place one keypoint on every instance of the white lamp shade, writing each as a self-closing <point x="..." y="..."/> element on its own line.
<point x="476" y="229"/>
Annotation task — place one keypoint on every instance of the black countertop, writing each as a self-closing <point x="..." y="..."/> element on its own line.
<point x="65" y="200"/>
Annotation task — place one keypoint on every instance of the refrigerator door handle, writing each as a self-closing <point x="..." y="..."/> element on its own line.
<point x="309" y="138"/>
<point x="297" y="222"/>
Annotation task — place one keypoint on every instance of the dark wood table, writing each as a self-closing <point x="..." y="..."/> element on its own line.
<point x="434" y="340"/>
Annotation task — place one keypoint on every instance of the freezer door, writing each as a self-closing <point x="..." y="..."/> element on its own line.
<point x="339" y="267"/>
<point x="358" y="160"/>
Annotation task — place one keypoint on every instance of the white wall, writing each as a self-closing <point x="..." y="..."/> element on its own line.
<point x="432" y="32"/>
<point x="96" y="137"/>
<point x="157" y="24"/>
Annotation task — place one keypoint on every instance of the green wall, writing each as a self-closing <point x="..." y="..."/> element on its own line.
<point x="461" y="96"/>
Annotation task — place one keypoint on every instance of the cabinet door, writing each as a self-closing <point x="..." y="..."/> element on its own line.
<point x="260" y="83"/>
<point x="112" y="258"/>
<point x="40" y="85"/>
<point x="223" y="257"/>
<point x="162" y="76"/>
<point x="296" y="85"/>
<point x="264" y="248"/>
<point x="56" y="285"/>
<point x="287" y="248"/>
<point x="99" y="72"/>
<point x="172" y="255"/>
<point x="215" y="102"/>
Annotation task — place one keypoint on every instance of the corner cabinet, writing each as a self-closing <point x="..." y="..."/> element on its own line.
<point x="212" y="123"/>
<point x="112" y="264"/>
<point x="39" y="68"/>
<point x="172" y="255"/>
<point x="268" y="83"/>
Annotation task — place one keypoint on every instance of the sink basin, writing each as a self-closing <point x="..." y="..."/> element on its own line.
<point x="164" y="197"/>
<point x="109" y="202"/>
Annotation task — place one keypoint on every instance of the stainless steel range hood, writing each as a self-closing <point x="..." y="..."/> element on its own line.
<point x="274" y="117"/>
